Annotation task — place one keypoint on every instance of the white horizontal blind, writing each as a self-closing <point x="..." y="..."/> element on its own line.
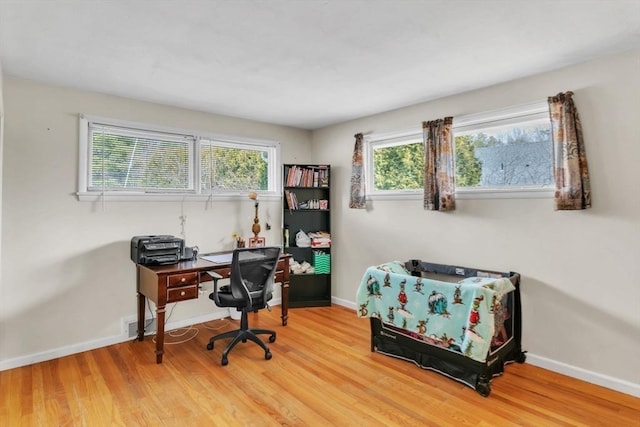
<point x="121" y="160"/>
<point x="129" y="159"/>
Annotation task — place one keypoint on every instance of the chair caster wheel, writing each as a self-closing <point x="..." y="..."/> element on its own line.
<point x="267" y="355"/>
<point x="210" y="346"/>
<point x="225" y="361"/>
<point x="272" y="338"/>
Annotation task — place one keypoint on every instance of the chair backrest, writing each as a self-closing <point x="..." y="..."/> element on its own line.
<point x="252" y="273"/>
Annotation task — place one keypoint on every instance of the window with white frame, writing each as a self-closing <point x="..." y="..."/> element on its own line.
<point x="226" y="166"/>
<point x="505" y="152"/>
<point x="394" y="164"/>
<point x="129" y="160"/>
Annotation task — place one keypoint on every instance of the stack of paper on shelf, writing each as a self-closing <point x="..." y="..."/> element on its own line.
<point x="320" y="239"/>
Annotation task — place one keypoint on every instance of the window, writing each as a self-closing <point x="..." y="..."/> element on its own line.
<point x="227" y="167"/>
<point x="396" y="163"/>
<point x="505" y="150"/>
<point x="503" y="153"/>
<point x="124" y="159"/>
<point x="128" y="160"/>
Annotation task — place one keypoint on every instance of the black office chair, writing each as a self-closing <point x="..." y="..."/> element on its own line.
<point x="250" y="288"/>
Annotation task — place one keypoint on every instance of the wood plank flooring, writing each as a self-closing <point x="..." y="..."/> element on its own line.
<point x="322" y="373"/>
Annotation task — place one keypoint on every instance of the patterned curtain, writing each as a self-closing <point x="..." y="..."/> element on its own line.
<point x="573" y="190"/>
<point x="439" y="175"/>
<point x="357" y="200"/>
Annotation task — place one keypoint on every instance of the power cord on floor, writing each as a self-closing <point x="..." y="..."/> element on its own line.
<point x="190" y="331"/>
<point x="177" y="333"/>
<point x="224" y="322"/>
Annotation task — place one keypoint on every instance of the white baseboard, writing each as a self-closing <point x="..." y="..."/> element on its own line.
<point x="616" y="384"/>
<point x="344" y="303"/>
<point x="103" y="342"/>
<point x="30" y="359"/>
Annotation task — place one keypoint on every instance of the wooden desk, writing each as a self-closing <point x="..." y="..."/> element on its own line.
<point x="165" y="284"/>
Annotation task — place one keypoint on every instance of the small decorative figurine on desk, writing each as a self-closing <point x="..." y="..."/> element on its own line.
<point x="239" y="240"/>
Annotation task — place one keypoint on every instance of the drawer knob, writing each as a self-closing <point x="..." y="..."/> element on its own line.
<point x="182" y="293"/>
<point x="184" y="279"/>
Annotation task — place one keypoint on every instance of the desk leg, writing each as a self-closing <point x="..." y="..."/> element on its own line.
<point x="159" y="333"/>
<point x="284" y="305"/>
<point x="141" y="301"/>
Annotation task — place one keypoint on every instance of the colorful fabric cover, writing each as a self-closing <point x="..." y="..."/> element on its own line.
<point x="458" y="317"/>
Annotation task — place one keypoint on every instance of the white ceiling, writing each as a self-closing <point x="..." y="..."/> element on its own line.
<point x="306" y="64"/>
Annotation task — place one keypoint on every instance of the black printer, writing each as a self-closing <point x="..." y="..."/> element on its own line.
<point x="156" y="250"/>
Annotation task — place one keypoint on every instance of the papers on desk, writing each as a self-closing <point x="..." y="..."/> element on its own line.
<point x="250" y="256"/>
<point x="218" y="259"/>
<point x="226" y="258"/>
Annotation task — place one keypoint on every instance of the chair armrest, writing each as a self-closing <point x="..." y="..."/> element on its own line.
<point x="215" y="276"/>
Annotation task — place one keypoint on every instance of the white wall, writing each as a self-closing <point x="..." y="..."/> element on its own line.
<point x="2" y="300"/>
<point x="67" y="276"/>
<point x="580" y="270"/>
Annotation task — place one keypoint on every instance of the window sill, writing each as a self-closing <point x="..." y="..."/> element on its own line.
<point x="167" y="197"/>
<point x="467" y="194"/>
<point x="511" y="193"/>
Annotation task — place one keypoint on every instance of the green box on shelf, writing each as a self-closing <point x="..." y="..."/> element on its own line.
<point x="321" y="262"/>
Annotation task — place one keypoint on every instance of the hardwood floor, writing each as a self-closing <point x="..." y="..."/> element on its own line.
<point x="322" y="373"/>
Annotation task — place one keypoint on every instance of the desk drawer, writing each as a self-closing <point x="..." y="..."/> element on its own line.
<point x="279" y="276"/>
<point x="182" y="279"/>
<point x="182" y="293"/>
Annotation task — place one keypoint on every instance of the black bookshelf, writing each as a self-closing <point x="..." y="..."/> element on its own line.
<point x="306" y="206"/>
